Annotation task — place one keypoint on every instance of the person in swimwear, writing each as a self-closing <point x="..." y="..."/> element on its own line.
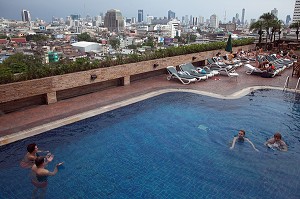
<point x="32" y="154"/>
<point x="40" y="176"/>
<point x="241" y="138"/>
<point x="276" y="143"/>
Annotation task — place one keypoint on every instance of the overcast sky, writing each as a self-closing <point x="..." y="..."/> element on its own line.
<point x="45" y="9"/>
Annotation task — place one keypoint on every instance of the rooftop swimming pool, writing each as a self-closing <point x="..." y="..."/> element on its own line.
<point x="175" y="145"/>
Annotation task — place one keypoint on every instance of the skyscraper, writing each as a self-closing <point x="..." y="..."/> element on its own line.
<point x="26" y="15"/>
<point x="288" y="19"/>
<point x="140" y="16"/>
<point x="275" y="12"/>
<point x="214" y="22"/>
<point x="243" y="16"/>
<point x="296" y="16"/>
<point x="171" y="15"/>
<point x="114" y="21"/>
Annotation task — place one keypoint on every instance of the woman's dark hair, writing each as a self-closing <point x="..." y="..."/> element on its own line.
<point x="277" y="135"/>
<point x="39" y="160"/>
<point x="243" y="131"/>
<point x="31" y="147"/>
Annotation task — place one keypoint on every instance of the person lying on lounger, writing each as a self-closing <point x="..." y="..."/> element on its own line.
<point x="241" y="138"/>
<point x="276" y="143"/>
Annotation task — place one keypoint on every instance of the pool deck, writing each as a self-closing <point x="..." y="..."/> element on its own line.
<point x="38" y="119"/>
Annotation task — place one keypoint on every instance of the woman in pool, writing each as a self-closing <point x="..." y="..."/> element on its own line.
<point x="276" y="143"/>
<point x="241" y="138"/>
<point x="32" y="154"/>
<point x="40" y="176"/>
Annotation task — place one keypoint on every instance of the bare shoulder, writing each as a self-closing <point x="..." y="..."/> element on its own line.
<point x="42" y="172"/>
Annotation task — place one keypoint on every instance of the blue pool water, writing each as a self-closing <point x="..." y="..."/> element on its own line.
<point x="175" y="145"/>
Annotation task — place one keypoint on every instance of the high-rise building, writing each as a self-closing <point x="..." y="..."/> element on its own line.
<point x="201" y="20"/>
<point x="149" y="19"/>
<point x="75" y="17"/>
<point x="288" y="19"/>
<point x="171" y="15"/>
<point x="140" y="16"/>
<point x="174" y="25"/>
<point x="195" y="21"/>
<point x="133" y="20"/>
<point x="114" y="21"/>
<point x="237" y="16"/>
<point x="243" y="16"/>
<point x="296" y="16"/>
<point x="214" y="22"/>
<point x="26" y="15"/>
<point x="275" y="12"/>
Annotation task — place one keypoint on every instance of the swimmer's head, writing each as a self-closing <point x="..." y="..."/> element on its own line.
<point x="31" y="147"/>
<point x="241" y="133"/>
<point x="39" y="161"/>
<point x="277" y="136"/>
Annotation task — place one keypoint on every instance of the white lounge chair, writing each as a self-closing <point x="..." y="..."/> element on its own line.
<point x="182" y="77"/>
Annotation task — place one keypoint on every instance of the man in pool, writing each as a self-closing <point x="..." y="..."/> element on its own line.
<point x="276" y="143"/>
<point x="32" y="154"/>
<point x="40" y="176"/>
<point x="241" y="138"/>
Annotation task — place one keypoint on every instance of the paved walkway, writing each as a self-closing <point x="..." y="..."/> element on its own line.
<point x="29" y="119"/>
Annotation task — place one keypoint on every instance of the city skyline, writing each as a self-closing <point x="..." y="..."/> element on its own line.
<point x="12" y="9"/>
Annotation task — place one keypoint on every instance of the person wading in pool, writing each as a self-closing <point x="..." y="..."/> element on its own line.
<point x="276" y="143"/>
<point x="241" y="138"/>
<point x="32" y="154"/>
<point x="39" y="176"/>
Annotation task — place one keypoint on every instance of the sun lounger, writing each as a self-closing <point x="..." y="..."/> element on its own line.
<point x="182" y="77"/>
<point x="189" y="69"/>
<point x="251" y="70"/>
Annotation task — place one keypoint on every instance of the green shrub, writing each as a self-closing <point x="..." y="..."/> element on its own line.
<point x="31" y="67"/>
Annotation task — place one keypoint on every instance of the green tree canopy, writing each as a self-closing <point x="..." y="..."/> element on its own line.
<point x="115" y="43"/>
<point x="37" y="38"/>
<point x="19" y="62"/>
<point x="84" y="37"/>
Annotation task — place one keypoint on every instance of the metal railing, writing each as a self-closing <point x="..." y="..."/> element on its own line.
<point x="286" y="83"/>
<point x="297" y="85"/>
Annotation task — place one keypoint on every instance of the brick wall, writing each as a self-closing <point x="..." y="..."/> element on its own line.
<point x="49" y="86"/>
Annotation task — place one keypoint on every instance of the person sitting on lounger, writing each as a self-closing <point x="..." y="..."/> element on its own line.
<point x="241" y="138"/>
<point x="276" y="143"/>
<point x="230" y="57"/>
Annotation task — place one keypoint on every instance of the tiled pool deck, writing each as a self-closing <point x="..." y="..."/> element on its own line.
<point x="20" y="124"/>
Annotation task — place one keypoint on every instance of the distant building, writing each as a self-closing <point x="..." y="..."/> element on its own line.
<point x="26" y="16"/>
<point x="201" y="20"/>
<point x="296" y="16"/>
<point x="252" y="21"/>
<point x="195" y="21"/>
<point x="133" y="20"/>
<point x="237" y="17"/>
<point x="114" y="21"/>
<point x="174" y="28"/>
<point x="243" y="16"/>
<point x="75" y="17"/>
<point x="275" y="12"/>
<point x="231" y="27"/>
<point x="214" y="22"/>
<point x="288" y="19"/>
<point x="171" y="15"/>
<point x="84" y="46"/>
<point x="140" y="16"/>
<point x="149" y="19"/>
